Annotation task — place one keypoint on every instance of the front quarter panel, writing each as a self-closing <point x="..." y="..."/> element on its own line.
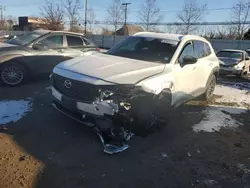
<point x="8" y="55"/>
<point x="157" y="83"/>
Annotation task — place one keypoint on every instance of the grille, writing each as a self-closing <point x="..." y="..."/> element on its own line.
<point x="81" y="91"/>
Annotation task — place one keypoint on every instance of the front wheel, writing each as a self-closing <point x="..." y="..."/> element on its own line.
<point x="210" y="88"/>
<point x="12" y="74"/>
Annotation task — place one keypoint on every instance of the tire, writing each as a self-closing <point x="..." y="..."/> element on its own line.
<point x="210" y="88"/>
<point x="239" y="75"/>
<point x="13" y="74"/>
<point x="145" y="121"/>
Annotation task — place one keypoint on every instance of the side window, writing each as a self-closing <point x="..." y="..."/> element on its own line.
<point x="199" y="49"/>
<point x="188" y="50"/>
<point x="74" y="41"/>
<point x="207" y="49"/>
<point x="86" y="41"/>
<point x="54" y="41"/>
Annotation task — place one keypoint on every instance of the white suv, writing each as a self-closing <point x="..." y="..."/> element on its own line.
<point x="135" y="84"/>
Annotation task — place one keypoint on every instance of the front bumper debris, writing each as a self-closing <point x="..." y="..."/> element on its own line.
<point x="112" y="143"/>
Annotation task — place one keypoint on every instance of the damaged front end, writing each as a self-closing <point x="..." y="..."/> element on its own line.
<point x="134" y="111"/>
<point x="119" y="112"/>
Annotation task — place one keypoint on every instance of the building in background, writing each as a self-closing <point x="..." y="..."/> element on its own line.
<point x="129" y="29"/>
<point x="31" y="23"/>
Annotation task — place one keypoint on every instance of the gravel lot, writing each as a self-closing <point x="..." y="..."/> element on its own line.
<point x="203" y="145"/>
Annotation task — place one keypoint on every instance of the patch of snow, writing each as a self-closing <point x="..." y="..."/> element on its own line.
<point x="217" y="117"/>
<point x="12" y="111"/>
<point x="232" y="95"/>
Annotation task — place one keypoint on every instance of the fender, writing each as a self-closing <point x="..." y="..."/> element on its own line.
<point x="157" y="84"/>
<point x="9" y="57"/>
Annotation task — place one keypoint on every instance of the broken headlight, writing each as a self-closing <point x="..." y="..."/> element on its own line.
<point x="106" y="93"/>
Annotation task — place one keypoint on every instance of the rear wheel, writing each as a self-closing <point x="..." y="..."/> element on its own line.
<point x="13" y="74"/>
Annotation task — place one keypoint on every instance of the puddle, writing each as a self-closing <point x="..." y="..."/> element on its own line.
<point x="218" y="117"/>
<point x="12" y="111"/>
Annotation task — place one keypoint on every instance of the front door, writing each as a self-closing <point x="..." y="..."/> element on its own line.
<point x="184" y="77"/>
<point x="47" y="58"/>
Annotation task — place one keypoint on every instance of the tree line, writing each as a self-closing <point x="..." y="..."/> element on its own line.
<point x="71" y="12"/>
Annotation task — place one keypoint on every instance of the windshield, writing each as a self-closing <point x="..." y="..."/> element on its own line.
<point x="146" y="49"/>
<point x="24" y="38"/>
<point x="230" y="54"/>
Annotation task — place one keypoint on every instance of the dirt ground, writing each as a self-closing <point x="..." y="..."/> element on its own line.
<point x="45" y="149"/>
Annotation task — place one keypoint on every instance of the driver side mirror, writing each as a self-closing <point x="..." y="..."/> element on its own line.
<point x="38" y="46"/>
<point x="189" y="60"/>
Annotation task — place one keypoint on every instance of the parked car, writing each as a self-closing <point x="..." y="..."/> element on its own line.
<point x="38" y="52"/>
<point x="235" y="62"/>
<point x="136" y="81"/>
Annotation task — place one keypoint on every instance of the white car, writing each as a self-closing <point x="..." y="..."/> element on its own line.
<point x="235" y="62"/>
<point x="135" y="84"/>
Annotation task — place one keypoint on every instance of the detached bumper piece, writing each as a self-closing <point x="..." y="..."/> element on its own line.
<point x="113" y="140"/>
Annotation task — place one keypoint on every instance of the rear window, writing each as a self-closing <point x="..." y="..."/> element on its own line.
<point x="146" y="49"/>
<point x="74" y="41"/>
<point x="207" y="49"/>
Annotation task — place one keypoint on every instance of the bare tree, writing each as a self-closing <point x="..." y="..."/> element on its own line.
<point x="10" y="21"/>
<point x="115" y="13"/>
<point x="149" y="14"/>
<point x="72" y="8"/>
<point x="190" y="14"/>
<point x="53" y="14"/>
<point x="241" y="14"/>
<point x="91" y="18"/>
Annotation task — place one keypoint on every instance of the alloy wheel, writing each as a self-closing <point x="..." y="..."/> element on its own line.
<point x="12" y="75"/>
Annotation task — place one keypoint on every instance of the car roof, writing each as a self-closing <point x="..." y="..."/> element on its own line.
<point x="233" y="50"/>
<point x="169" y="36"/>
<point x="43" y="31"/>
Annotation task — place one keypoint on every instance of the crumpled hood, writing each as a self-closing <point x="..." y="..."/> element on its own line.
<point x="112" y="68"/>
<point x="226" y="61"/>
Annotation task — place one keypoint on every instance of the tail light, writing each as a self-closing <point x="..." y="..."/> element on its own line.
<point x="97" y="49"/>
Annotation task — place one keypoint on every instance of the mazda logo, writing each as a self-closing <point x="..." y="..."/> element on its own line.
<point x="67" y="84"/>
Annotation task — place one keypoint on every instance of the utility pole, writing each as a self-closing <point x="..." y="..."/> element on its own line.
<point x="2" y="8"/>
<point x="85" y="22"/>
<point x="126" y="8"/>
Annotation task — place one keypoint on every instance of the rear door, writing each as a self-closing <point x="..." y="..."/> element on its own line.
<point x="46" y="59"/>
<point x="204" y="65"/>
